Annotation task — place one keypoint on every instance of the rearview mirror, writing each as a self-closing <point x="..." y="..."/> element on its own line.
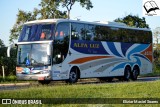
<point x="9" y="49"/>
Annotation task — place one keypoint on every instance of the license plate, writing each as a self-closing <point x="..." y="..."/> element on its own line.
<point x="40" y="78"/>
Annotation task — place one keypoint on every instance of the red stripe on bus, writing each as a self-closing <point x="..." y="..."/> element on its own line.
<point x="148" y="53"/>
<point x="86" y="59"/>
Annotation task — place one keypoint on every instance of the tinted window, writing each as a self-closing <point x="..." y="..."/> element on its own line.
<point x="110" y="34"/>
<point x="61" y="42"/>
<point x="78" y="31"/>
<point x="89" y="32"/>
<point x="46" y="32"/>
<point x="62" y="33"/>
<point x="37" y="32"/>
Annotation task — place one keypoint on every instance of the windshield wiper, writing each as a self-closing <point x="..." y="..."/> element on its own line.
<point x="38" y="64"/>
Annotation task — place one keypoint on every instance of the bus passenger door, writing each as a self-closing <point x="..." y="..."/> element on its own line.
<point x="57" y="62"/>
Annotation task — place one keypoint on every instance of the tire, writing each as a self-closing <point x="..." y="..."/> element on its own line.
<point x="44" y="82"/>
<point x="127" y="73"/>
<point x="135" y="73"/>
<point x="73" y="76"/>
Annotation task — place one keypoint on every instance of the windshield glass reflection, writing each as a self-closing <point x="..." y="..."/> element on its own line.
<point x="33" y="54"/>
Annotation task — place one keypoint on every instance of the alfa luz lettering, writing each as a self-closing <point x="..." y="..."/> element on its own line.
<point x="85" y="45"/>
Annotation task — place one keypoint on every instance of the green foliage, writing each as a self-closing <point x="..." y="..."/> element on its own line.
<point x="8" y="63"/>
<point x="1" y="43"/>
<point x="10" y="78"/>
<point x="133" y="21"/>
<point x="69" y="3"/>
<point x="1" y="78"/>
<point x="156" y="35"/>
<point x="49" y="9"/>
<point x="116" y="90"/>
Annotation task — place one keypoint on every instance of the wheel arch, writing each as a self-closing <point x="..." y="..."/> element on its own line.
<point x="128" y="65"/>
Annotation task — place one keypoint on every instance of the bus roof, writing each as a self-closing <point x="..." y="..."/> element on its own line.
<point x="103" y="23"/>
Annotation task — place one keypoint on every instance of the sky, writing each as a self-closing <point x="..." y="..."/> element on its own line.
<point x="103" y="10"/>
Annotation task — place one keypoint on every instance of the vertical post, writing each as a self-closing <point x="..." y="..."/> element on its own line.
<point x="3" y="72"/>
<point x="68" y="15"/>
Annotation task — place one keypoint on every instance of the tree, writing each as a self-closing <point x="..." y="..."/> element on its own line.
<point x="22" y="17"/>
<point x="2" y="52"/>
<point x="9" y="64"/>
<point x="69" y="3"/>
<point x="133" y="21"/>
<point x="49" y="9"/>
<point x="1" y="43"/>
<point x="156" y="35"/>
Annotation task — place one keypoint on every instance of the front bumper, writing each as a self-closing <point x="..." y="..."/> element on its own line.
<point x="33" y="76"/>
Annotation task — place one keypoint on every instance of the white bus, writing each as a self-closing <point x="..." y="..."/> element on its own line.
<point x="62" y="49"/>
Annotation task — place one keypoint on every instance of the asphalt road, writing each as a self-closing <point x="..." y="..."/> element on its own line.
<point x="14" y="86"/>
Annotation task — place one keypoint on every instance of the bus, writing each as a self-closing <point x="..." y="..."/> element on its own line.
<point x="63" y="49"/>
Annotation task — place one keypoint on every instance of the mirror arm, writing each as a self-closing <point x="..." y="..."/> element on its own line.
<point x="9" y="49"/>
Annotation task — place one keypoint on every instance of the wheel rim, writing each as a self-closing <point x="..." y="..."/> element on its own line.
<point x="128" y="74"/>
<point x="73" y="76"/>
<point x="135" y="73"/>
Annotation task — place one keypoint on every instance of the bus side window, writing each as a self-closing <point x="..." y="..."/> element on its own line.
<point x="89" y="30"/>
<point x="97" y="30"/>
<point x="62" y="32"/>
<point x="78" y="31"/>
<point x="75" y="35"/>
<point x="45" y="32"/>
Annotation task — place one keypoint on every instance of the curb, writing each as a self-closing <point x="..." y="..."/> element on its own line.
<point x="14" y="84"/>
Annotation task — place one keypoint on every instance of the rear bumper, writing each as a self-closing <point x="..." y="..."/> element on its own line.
<point x="33" y="76"/>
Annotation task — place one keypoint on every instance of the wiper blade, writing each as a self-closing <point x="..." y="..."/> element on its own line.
<point x="37" y="64"/>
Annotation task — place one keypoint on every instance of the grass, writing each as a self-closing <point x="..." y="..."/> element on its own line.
<point x="8" y="79"/>
<point x="114" y="90"/>
<point x="121" y="90"/>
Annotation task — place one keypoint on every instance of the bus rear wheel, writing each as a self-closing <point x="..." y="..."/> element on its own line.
<point x="135" y="73"/>
<point x="73" y="76"/>
<point x="127" y="73"/>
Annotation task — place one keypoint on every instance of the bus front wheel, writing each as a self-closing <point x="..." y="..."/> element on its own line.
<point x="73" y="76"/>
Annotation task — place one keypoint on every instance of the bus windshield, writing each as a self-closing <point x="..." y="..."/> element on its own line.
<point x="36" y="32"/>
<point x="32" y="55"/>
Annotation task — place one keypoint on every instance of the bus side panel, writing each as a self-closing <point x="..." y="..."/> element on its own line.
<point x="109" y="58"/>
